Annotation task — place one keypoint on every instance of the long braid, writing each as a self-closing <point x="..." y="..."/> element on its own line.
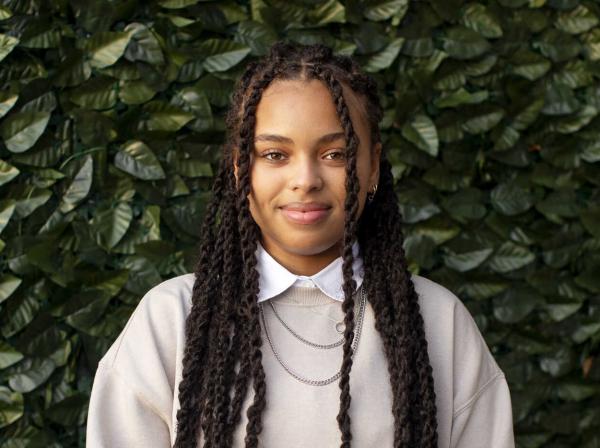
<point x="198" y="321"/>
<point x="228" y="294"/>
<point x="249" y="237"/>
<point x="223" y="328"/>
<point x="350" y="222"/>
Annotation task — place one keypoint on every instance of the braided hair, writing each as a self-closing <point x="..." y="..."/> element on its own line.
<point x="223" y="329"/>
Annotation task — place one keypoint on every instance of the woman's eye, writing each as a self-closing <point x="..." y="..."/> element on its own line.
<point x="337" y="155"/>
<point x="274" y="156"/>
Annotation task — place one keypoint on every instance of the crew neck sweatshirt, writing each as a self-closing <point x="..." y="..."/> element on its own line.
<point x="134" y="398"/>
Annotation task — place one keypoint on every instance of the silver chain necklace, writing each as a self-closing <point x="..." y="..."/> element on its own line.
<point x="311" y="382"/>
<point x="300" y="338"/>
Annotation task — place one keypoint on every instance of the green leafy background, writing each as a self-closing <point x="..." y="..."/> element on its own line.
<point x="111" y="121"/>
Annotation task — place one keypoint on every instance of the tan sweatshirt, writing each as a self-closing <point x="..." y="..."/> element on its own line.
<point x="134" y="399"/>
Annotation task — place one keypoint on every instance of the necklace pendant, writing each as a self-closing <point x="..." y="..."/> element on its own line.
<point x="340" y="327"/>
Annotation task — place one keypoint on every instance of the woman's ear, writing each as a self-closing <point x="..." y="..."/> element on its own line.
<point x="234" y="157"/>
<point x="375" y="159"/>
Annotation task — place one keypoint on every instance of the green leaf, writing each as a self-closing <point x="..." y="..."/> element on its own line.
<point x="557" y="45"/>
<point x="144" y="45"/>
<point x="574" y="123"/>
<point x="221" y="55"/>
<point x="509" y="199"/>
<point x="577" y="390"/>
<point x="465" y="204"/>
<point x="105" y="48"/>
<point x="385" y="57"/>
<point x="464" y="43"/>
<point x="137" y="159"/>
<point x="590" y="279"/>
<point x="559" y="203"/>
<point x="164" y="117"/>
<point x="510" y="257"/>
<point x="194" y="100"/>
<point x="30" y="199"/>
<point x="135" y="92"/>
<point x="485" y="120"/>
<point x="177" y="4"/>
<point x="41" y="36"/>
<point x="7" y="43"/>
<point x="577" y="20"/>
<point x="8" y="356"/>
<point x="73" y="70"/>
<point x="330" y="11"/>
<point x="590" y="218"/>
<point x="217" y="90"/>
<point x="529" y="65"/>
<point x="87" y="315"/>
<point x="422" y="132"/>
<point x="465" y="261"/>
<point x="11" y="406"/>
<point x="97" y="93"/>
<point x="142" y="231"/>
<point x="21" y="130"/>
<point x="258" y="36"/>
<point x="79" y="187"/>
<point x="419" y="47"/>
<point x="506" y="139"/>
<point x="111" y="223"/>
<point x="379" y="10"/>
<point x="591" y="45"/>
<point x="7" y="172"/>
<point x="559" y="363"/>
<point x="5" y="13"/>
<point x="476" y="17"/>
<point x="420" y="249"/>
<point x="8" y="284"/>
<point x="30" y="374"/>
<point x="528" y="114"/>
<point x="69" y="411"/>
<point x="415" y="205"/>
<point x="7" y="207"/>
<point x="514" y="304"/>
<point x="143" y="274"/>
<point x="438" y="228"/>
<point x="7" y="101"/>
<point x="460" y="96"/>
<point x="484" y="286"/>
<point x="585" y="331"/>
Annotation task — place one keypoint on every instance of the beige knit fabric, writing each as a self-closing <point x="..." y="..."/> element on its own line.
<point x="134" y="398"/>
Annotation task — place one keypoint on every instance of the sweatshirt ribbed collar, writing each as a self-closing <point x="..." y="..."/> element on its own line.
<point x="275" y="279"/>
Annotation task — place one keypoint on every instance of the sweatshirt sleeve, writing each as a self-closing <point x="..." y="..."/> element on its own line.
<point x="486" y="419"/>
<point x="121" y="417"/>
<point x="134" y="392"/>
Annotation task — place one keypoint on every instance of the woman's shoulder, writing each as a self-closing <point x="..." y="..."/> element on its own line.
<point x="155" y="326"/>
<point x="455" y="342"/>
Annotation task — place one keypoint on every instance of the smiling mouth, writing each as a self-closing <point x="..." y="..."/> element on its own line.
<point x="305" y="217"/>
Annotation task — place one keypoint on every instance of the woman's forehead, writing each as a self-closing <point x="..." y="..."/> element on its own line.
<point x="302" y="101"/>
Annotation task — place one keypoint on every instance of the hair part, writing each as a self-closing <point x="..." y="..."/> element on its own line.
<point x="223" y="329"/>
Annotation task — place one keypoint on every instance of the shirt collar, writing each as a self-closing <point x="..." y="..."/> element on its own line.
<point x="275" y="279"/>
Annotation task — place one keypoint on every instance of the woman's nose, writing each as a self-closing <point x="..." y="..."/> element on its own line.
<point x="305" y="175"/>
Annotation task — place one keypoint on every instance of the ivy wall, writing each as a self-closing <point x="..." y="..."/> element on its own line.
<point x="111" y="121"/>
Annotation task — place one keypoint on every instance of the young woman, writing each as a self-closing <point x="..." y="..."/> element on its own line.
<point x="301" y="325"/>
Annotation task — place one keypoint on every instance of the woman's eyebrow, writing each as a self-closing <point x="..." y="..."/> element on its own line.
<point x="327" y="138"/>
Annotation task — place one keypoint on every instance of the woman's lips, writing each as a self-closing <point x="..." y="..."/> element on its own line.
<point x="305" y="217"/>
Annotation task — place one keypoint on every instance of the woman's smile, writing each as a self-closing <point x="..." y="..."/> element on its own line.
<point x="305" y="213"/>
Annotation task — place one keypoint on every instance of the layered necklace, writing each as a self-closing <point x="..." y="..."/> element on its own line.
<point x="339" y="328"/>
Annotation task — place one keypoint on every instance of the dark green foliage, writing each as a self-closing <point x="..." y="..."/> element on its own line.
<point x="111" y="120"/>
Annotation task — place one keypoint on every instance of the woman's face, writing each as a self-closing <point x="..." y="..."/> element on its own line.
<point x="298" y="170"/>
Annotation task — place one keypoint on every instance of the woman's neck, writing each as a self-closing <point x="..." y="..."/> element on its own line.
<point x="302" y="263"/>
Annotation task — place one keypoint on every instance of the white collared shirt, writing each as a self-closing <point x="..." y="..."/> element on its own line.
<point x="275" y="279"/>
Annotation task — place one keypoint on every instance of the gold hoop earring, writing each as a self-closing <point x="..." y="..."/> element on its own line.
<point x="371" y="195"/>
